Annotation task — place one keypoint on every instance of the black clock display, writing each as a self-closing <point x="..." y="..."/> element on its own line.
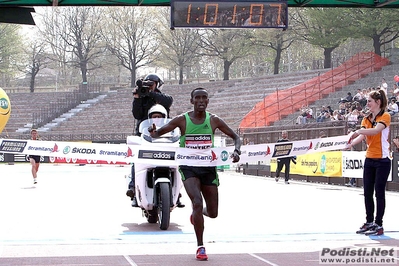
<point x="229" y="14"/>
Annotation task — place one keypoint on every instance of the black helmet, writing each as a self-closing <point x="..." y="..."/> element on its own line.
<point x="156" y="78"/>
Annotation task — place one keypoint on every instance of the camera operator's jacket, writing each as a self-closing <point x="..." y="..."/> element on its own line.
<point x="143" y="104"/>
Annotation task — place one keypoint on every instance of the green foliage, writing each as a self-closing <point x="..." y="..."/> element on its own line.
<point x="10" y="48"/>
<point x="323" y="27"/>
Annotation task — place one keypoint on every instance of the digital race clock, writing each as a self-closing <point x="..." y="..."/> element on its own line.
<point x="229" y="14"/>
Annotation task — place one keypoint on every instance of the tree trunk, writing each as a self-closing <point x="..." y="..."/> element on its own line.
<point x="180" y="74"/>
<point x="377" y="44"/>
<point x="277" y="61"/>
<point x="327" y="57"/>
<point x="132" y="78"/>
<point x="226" y="69"/>
<point x="32" y="82"/>
<point x="83" y="69"/>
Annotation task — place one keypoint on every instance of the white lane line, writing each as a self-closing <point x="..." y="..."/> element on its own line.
<point x="129" y="260"/>
<point x="262" y="259"/>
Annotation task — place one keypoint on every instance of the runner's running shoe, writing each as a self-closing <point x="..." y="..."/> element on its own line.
<point x="376" y="231"/>
<point x="34" y="181"/>
<point x="366" y="227"/>
<point x="201" y="254"/>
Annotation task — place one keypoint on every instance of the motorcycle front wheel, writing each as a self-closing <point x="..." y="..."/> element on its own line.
<point x="164" y="206"/>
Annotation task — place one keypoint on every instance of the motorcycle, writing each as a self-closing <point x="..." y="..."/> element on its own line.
<point x="158" y="181"/>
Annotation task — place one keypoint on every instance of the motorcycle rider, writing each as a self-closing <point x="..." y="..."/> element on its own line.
<point x="157" y="111"/>
<point x="140" y="109"/>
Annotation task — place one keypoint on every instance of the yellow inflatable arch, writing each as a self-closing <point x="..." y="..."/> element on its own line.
<point x="5" y="109"/>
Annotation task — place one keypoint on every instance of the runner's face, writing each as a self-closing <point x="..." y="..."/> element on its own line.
<point x="200" y="100"/>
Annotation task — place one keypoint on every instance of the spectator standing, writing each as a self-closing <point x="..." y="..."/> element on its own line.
<point x="393" y="107"/>
<point x="377" y="165"/>
<point x="384" y="86"/>
<point x="284" y="161"/>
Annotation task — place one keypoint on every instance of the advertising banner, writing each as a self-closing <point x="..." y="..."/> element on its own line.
<point x="169" y="155"/>
<point x="315" y="164"/>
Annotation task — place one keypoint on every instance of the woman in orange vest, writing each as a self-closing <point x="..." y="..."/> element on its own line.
<point x="377" y="165"/>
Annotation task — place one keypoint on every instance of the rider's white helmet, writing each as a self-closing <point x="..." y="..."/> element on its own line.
<point x="157" y="108"/>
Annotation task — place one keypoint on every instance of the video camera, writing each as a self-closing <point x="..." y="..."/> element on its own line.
<point x="143" y="87"/>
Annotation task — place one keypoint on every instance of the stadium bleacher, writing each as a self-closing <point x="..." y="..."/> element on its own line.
<point x="332" y="99"/>
<point x="231" y="100"/>
<point x="23" y="107"/>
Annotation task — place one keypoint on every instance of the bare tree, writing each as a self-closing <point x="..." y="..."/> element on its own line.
<point x="278" y="40"/>
<point x="323" y="27"/>
<point x="83" y="37"/>
<point x="129" y="36"/>
<point x="51" y="28"/>
<point x="179" y="47"/>
<point x="37" y="59"/>
<point x="228" y="45"/>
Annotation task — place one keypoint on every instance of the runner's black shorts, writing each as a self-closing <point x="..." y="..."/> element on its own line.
<point x="207" y="175"/>
<point x="35" y="157"/>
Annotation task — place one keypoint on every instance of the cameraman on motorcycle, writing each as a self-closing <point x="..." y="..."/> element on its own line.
<point x="157" y="111"/>
<point x="146" y="95"/>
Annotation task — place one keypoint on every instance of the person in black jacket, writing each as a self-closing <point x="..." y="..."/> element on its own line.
<point x="285" y="161"/>
<point x="142" y="102"/>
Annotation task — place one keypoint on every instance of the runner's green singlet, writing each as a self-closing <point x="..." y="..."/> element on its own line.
<point x="197" y="136"/>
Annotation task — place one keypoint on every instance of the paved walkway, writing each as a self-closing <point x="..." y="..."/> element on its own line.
<point x="79" y="215"/>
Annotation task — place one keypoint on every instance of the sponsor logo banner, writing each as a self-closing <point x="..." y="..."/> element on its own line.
<point x="318" y="164"/>
<point x="12" y="146"/>
<point x="182" y="156"/>
<point x="353" y="164"/>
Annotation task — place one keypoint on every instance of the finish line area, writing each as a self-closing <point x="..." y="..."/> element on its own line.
<point x="80" y="215"/>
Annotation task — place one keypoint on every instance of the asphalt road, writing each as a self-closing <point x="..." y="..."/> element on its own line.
<point x="80" y="215"/>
